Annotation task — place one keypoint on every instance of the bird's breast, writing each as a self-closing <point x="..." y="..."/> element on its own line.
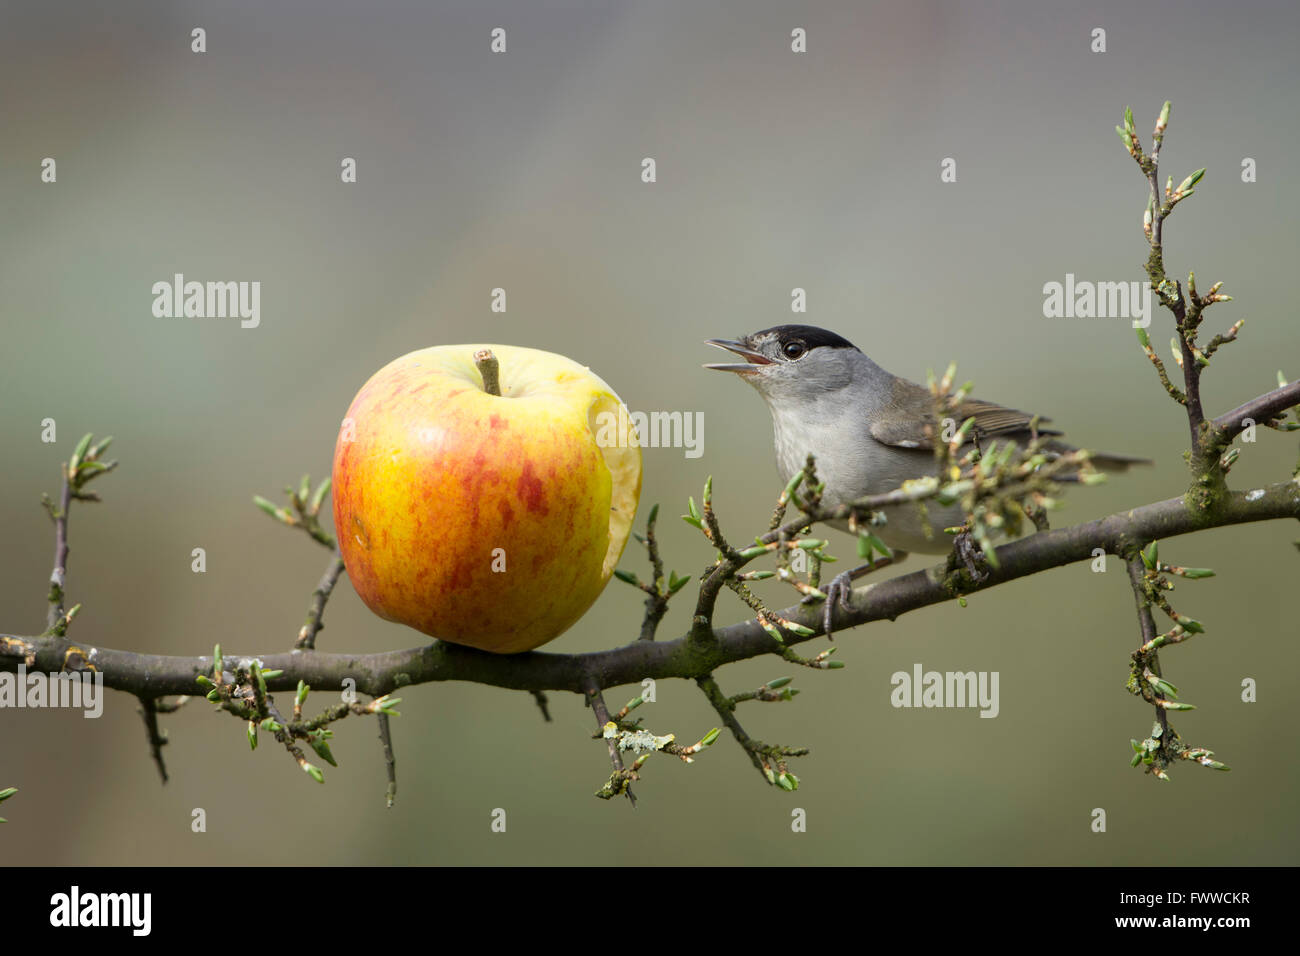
<point x="853" y="465"/>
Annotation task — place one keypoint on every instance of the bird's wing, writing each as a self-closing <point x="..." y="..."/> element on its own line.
<point x="909" y="431"/>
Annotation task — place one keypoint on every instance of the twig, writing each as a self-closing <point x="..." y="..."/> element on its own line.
<point x="726" y="710"/>
<point x="620" y="781"/>
<point x="84" y="466"/>
<point x="722" y="573"/>
<point x="773" y="690"/>
<point x="306" y="510"/>
<point x="1261" y="409"/>
<point x="59" y="576"/>
<point x="316" y="610"/>
<point x="768" y="759"/>
<point x="1146" y="624"/>
<point x="1223" y="338"/>
<point x="656" y="602"/>
<point x="658" y="591"/>
<point x="157" y="740"/>
<point x="1174" y="392"/>
<point x="390" y="762"/>
<point x="542" y="704"/>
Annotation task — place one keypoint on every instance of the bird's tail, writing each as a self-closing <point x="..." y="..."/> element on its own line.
<point x="1103" y="461"/>
<point x="1109" y="462"/>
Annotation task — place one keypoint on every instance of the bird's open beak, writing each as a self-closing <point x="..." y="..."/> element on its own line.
<point x="756" y="359"/>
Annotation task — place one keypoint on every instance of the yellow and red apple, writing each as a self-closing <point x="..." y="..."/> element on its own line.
<point x="488" y="520"/>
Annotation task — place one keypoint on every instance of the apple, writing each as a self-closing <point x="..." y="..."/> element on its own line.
<point x="489" y="520"/>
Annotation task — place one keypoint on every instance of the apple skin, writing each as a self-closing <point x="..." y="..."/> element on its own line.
<point x="432" y="475"/>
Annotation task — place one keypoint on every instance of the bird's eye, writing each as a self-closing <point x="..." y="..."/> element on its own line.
<point x="793" y="350"/>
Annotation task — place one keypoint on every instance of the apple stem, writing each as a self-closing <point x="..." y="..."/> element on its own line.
<point x="490" y="369"/>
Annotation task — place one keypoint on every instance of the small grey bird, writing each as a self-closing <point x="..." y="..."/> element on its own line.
<point x="866" y="427"/>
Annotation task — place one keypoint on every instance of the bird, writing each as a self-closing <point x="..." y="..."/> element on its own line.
<point x="869" y="430"/>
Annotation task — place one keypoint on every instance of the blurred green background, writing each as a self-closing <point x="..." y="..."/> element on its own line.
<point x="522" y="170"/>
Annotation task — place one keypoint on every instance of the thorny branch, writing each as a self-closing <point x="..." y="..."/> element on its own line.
<point x="997" y="487"/>
<point x="157" y="739"/>
<point x="620" y="781"/>
<point x="658" y="591"/>
<point x="1209" y="440"/>
<point x="83" y="467"/>
<point x="378" y="674"/>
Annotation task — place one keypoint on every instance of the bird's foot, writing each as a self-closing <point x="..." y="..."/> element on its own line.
<point x="840" y="589"/>
<point x="837" y="592"/>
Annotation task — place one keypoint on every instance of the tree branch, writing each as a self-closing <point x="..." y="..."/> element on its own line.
<point x="377" y="674"/>
<point x="84" y="466"/>
<point x="1146" y="623"/>
<point x="1264" y="408"/>
<point x="390" y="762"/>
<point x="59" y="576"/>
<point x="620" y="781"/>
<point x="157" y="739"/>
<point x="307" y="636"/>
